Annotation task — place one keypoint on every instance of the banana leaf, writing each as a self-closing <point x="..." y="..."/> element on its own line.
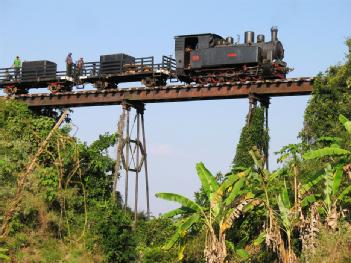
<point x="178" y="211"/>
<point x="337" y="180"/>
<point x="208" y="181"/>
<point x="345" y="122"/>
<point x="324" y="152"/>
<point x="235" y="192"/>
<point x="186" y="202"/>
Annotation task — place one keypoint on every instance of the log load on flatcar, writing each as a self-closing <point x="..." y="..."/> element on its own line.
<point x="209" y="58"/>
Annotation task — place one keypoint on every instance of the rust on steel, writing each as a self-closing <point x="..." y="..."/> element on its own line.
<point x="171" y="93"/>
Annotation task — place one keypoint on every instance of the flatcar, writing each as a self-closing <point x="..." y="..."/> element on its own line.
<point x="210" y="58"/>
<point x="107" y="73"/>
<point x="32" y="74"/>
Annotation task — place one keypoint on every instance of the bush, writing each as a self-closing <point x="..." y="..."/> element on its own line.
<point x="111" y="228"/>
<point x="333" y="246"/>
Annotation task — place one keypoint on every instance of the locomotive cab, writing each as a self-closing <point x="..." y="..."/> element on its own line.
<point x="185" y="45"/>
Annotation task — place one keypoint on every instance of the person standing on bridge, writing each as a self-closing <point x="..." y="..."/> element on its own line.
<point x="17" y="66"/>
<point x="80" y="67"/>
<point x="69" y="64"/>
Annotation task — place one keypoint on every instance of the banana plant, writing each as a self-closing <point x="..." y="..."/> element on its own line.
<point x="287" y="216"/>
<point x="291" y="155"/>
<point x="273" y="226"/>
<point x="333" y="193"/>
<point x="228" y="200"/>
<point x="334" y="150"/>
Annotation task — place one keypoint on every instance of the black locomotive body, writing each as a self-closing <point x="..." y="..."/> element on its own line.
<point x="209" y="58"/>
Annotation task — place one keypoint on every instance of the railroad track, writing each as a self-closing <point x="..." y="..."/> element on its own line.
<point x="171" y="93"/>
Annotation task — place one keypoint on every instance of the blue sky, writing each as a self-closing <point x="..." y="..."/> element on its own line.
<point x="178" y="134"/>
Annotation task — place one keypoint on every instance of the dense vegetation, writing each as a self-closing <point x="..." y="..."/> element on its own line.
<point x="64" y="209"/>
<point x="57" y="204"/>
<point x="251" y="214"/>
<point x="252" y="134"/>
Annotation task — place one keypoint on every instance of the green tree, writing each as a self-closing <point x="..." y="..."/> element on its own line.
<point x="331" y="96"/>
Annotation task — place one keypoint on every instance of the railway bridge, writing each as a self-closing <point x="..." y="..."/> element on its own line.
<point x="131" y="151"/>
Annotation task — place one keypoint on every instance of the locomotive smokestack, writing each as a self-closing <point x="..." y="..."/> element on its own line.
<point x="274" y="33"/>
<point x="249" y="37"/>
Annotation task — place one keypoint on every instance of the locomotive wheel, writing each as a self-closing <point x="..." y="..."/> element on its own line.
<point x="112" y="85"/>
<point x="149" y="82"/>
<point x="55" y="87"/>
<point x="222" y="79"/>
<point x="11" y="90"/>
<point x="21" y="91"/>
<point x="101" y="85"/>
<point x="161" y="82"/>
<point x="218" y="77"/>
<point x="154" y="82"/>
<point x="201" y="80"/>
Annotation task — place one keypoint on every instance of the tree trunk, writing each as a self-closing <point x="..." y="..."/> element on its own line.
<point x="332" y="217"/>
<point x="215" y="250"/>
<point x="309" y="230"/>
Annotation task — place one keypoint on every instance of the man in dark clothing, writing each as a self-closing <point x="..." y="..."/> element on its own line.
<point x="80" y="66"/>
<point x="69" y="64"/>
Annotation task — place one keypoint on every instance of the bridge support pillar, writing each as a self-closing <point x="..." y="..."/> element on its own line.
<point x="131" y="152"/>
<point x="265" y="104"/>
<point x="264" y="101"/>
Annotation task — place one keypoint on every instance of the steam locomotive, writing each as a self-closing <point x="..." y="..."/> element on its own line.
<point x="209" y="58"/>
<point x="199" y="58"/>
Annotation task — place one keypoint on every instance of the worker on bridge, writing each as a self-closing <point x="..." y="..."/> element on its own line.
<point x="80" y="67"/>
<point x="17" y="66"/>
<point x="69" y="64"/>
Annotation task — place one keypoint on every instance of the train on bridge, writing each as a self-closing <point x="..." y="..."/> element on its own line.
<point x="199" y="58"/>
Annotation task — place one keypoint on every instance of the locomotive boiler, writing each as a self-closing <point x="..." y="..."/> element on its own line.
<point x="210" y="58"/>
